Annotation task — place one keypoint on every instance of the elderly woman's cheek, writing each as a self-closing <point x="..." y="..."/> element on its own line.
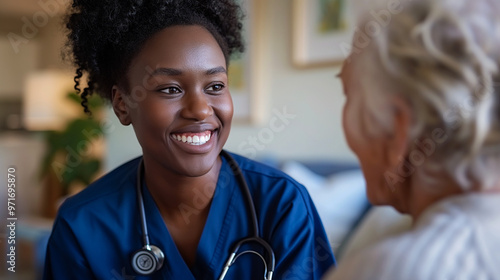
<point x="351" y="120"/>
<point x="345" y="125"/>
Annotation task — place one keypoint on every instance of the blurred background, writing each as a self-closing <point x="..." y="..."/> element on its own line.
<point x="295" y="116"/>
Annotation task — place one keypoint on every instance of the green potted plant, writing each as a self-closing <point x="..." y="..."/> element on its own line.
<point x="69" y="162"/>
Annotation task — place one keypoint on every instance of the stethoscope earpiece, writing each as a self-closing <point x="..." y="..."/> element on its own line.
<point x="147" y="260"/>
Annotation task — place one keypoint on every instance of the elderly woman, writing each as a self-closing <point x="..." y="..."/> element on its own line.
<point x="423" y="117"/>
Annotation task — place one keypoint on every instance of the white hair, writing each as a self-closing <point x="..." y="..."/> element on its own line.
<point x="443" y="58"/>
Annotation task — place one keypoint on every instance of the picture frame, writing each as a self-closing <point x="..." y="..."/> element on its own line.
<point x="322" y="32"/>
<point x="246" y="74"/>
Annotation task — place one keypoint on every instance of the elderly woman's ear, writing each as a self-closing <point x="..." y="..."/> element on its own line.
<point x="397" y="142"/>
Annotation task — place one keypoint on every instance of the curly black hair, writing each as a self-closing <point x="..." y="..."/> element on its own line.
<point x="105" y="35"/>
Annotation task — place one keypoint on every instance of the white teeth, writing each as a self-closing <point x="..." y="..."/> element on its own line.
<point x="193" y="140"/>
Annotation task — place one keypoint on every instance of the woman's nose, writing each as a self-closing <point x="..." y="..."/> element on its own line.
<point x="196" y="106"/>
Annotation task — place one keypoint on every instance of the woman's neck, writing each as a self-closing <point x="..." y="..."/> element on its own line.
<point x="177" y="195"/>
<point x="423" y="198"/>
<point x="422" y="195"/>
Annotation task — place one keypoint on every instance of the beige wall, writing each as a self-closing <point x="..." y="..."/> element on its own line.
<point x="21" y="54"/>
<point x="14" y="67"/>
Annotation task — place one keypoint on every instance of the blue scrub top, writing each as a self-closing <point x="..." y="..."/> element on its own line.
<point x="97" y="231"/>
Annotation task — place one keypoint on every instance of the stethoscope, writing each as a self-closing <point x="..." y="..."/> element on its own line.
<point x="150" y="258"/>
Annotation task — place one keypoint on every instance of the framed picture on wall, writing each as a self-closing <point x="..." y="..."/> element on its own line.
<point x="322" y="32"/>
<point x="245" y="72"/>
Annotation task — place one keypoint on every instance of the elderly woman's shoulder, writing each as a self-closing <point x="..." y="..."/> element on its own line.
<point x="453" y="239"/>
<point x="382" y="260"/>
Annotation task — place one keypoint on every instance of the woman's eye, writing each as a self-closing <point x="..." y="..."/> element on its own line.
<point x="171" y="90"/>
<point x="216" y="87"/>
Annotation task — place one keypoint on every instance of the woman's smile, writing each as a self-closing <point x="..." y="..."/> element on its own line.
<point x="201" y="142"/>
<point x="192" y="138"/>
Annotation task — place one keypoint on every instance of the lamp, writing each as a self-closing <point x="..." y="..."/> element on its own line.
<point x="45" y="102"/>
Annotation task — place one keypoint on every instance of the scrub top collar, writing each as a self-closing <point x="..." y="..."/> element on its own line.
<point x="214" y="233"/>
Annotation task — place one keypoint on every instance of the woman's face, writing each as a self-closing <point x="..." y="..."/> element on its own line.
<point x="369" y="149"/>
<point x="179" y="102"/>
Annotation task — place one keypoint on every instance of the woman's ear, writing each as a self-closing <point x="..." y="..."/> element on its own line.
<point x="120" y="106"/>
<point x="397" y="142"/>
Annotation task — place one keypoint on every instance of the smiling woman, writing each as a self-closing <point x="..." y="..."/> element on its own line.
<point x="163" y="66"/>
<point x="186" y="97"/>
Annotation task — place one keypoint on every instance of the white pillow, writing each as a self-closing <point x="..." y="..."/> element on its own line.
<point x="340" y="204"/>
<point x="312" y="181"/>
<point x="340" y="198"/>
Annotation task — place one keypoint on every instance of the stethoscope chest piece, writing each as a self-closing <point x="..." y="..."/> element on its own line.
<point x="147" y="260"/>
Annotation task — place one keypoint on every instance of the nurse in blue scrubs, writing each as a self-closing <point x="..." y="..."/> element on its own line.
<point x="163" y="65"/>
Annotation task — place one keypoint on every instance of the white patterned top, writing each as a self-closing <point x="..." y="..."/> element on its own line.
<point x="457" y="238"/>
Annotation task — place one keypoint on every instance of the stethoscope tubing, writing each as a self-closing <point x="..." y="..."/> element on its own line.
<point x="140" y="199"/>
<point x="269" y="265"/>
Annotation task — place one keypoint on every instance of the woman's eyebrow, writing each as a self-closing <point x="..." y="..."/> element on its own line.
<point x="339" y="74"/>
<point x="216" y="70"/>
<point x="177" y="72"/>
<point x="166" y="71"/>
